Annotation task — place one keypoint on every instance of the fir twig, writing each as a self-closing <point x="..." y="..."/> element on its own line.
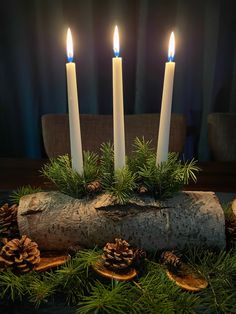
<point x="169" y="177"/>
<point x="141" y="154"/>
<point x="40" y="289"/>
<point x="123" y="185"/>
<point x="11" y="286"/>
<point x="16" y="195"/>
<point x="106" y="300"/>
<point x="66" y="179"/>
<point x="107" y="165"/>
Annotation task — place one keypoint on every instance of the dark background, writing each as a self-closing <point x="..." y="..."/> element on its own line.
<point x="33" y="57"/>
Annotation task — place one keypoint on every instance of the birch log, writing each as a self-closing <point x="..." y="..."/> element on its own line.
<point x="56" y="221"/>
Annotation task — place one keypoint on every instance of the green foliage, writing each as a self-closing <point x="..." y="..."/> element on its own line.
<point x="20" y="192"/>
<point x="91" y="169"/>
<point x="87" y="258"/>
<point x="219" y="269"/>
<point x="41" y="288"/>
<point x="151" y="293"/>
<point x="66" y="179"/>
<point x="162" y="181"/>
<point x="106" y="300"/>
<point x="167" y="178"/>
<point x="142" y="153"/>
<point x="12" y="287"/>
<point x="123" y="185"/>
<point x="157" y="294"/>
<point x="107" y="165"/>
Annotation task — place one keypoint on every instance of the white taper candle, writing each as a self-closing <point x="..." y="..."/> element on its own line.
<point x="73" y="108"/>
<point x="118" y="107"/>
<point x="165" y="116"/>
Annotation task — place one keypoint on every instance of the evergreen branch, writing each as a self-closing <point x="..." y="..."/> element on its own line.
<point x="41" y="289"/>
<point x="16" y="195"/>
<point x="189" y="169"/>
<point x="106" y="300"/>
<point x="123" y="185"/>
<point x="154" y="293"/>
<point x="141" y="154"/>
<point x="74" y="279"/>
<point x="66" y="179"/>
<point x="87" y="258"/>
<point x="167" y="178"/>
<point x="91" y="169"/>
<point x="160" y="295"/>
<point x="11" y="286"/>
<point x="107" y="165"/>
<point x="161" y="181"/>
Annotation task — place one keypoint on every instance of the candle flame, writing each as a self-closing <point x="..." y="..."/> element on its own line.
<point x="69" y="45"/>
<point x="116" y="42"/>
<point x="171" y="50"/>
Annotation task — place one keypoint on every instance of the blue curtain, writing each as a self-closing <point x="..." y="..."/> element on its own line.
<point x="33" y="56"/>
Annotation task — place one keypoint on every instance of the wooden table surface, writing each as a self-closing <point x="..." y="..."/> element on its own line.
<point x="215" y="176"/>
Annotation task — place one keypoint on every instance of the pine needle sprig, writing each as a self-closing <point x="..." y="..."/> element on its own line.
<point x="12" y="287"/>
<point x="164" y="180"/>
<point x="123" y="185"/>
<point x="106" y="300"/>
<point x="219" y="269"/>
<point x="16" y="195"/>
<point x="86" y="258"/>
<point x="107" y="165"/>
<point x="160" y="295"/>
<point x="189" y="169"/>
<point x="91" y="168"/>
<point x="59" y="170"/>
<point x="74" y="279"/>
<point x="41" y="289"/>
<point x="141" y="154"/>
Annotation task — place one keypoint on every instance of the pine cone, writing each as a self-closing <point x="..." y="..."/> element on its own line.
<point x="22" y="255"/>
<point x="172" y="261"/>
<point x="93" y="187"/>
<point x="8" y="218"/>
<point x="118" y="256"/>
<point x="142" y="189"/>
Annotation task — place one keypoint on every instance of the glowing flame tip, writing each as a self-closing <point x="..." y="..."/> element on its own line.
<point x="116" y="43"/>
<point x="69" y="45"/>
<point x="171" y="50"/>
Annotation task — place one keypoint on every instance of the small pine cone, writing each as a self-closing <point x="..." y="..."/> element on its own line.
<point x="171" y="260"/>
<point x="8" y="218"/>
<point x="22" y="255"/>
<point x="142" y="189"/>
<point x="94" y="187"/>
<point x="118" y="256"/>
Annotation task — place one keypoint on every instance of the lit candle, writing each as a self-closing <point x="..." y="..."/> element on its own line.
<point x="73" y="108"/>
<point x="164" y="125"/>
<point x="118" y="108"/>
